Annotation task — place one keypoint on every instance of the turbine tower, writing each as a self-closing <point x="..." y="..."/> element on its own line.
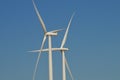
<point x="49" y="35"/>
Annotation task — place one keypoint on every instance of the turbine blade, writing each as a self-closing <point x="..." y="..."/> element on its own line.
<point x="39" y="17"/>
<point x="66" y="33"/>
<point x="36" y="66"/>
<point x="39" y="57"/>
<point x="54" y="31"/>
<point x="46" y="50"/>
<point x="34" y="51"/>
<point x="68" y="68"/>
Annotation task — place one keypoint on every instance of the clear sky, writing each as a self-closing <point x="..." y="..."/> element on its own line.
<point x="93" y="40"/>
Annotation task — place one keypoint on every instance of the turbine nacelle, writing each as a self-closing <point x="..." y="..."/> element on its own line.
<point x="54" y="32"/>
<point x="51" y="34"/>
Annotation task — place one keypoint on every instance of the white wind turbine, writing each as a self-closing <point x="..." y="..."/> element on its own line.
<point x="64" y="61"/>
<point x="62" y="49"/>
<point x="49" y="35"/>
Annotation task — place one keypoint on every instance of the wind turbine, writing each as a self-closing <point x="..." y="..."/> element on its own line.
<point x="64" y="61"/>
<point x="49" y="35"/>
<point x="62" y="49"/>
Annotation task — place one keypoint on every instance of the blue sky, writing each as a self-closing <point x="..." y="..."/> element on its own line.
<point x="93" y="40"/>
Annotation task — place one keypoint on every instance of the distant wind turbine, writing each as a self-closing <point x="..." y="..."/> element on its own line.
<point x="49" y="35"/>
<point x="64" y="61"/>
